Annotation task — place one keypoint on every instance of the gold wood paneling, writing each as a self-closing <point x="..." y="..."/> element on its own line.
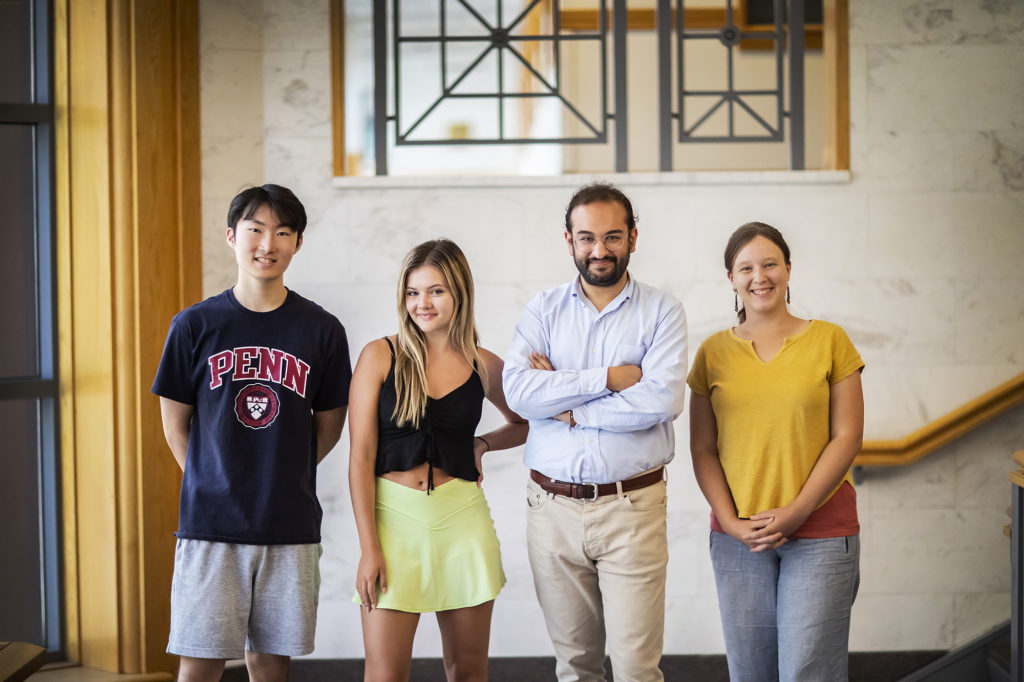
<point x="129" y="258"/>
<point x="89" y="289"/>
<point x="62" y="219"/>
<point x="337" y="21"/>
<point x="965" y="418"/>
<point x="837" y="84"/>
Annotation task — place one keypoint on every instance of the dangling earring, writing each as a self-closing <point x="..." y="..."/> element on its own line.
<point x="787" y="293"/>
<point x="735" y="302"/>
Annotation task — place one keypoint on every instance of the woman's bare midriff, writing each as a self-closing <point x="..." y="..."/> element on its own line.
<point x="417" y="477"/>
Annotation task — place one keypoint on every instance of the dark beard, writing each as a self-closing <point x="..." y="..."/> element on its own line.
<point x="610" y="277"/>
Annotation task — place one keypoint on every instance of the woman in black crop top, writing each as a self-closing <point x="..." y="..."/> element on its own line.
<point x="426" y="537"/>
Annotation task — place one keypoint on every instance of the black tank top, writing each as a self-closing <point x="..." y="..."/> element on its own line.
<point x="444" y="438"/>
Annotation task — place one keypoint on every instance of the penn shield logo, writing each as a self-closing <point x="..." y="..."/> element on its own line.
<point x="256" y="406"/>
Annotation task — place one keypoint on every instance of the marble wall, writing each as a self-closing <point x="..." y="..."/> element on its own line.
<point x="917" y="253"/>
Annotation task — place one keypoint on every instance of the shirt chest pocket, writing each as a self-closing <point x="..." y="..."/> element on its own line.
<point x="628" y="354"/>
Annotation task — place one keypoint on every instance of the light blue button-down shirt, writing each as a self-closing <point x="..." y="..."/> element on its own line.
<point x="617" y="435"/>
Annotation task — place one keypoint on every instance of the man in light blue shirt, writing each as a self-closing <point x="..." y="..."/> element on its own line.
<point x="598" y="366"/>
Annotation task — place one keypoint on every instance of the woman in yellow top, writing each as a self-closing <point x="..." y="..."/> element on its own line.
<point x="776" y="418"/>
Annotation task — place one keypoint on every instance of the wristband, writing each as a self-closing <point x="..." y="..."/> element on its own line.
<point x="488" y="445"/>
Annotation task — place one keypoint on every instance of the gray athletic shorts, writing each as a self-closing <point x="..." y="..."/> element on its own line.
<point x="228" y="598"/>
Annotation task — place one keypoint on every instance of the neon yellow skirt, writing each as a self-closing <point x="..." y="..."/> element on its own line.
<point x="440" y="550"/>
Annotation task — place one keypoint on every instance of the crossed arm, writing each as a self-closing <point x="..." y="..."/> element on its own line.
<point x="617" y="398"/>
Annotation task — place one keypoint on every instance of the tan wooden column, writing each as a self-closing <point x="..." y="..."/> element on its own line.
<point x="129" y="256"/>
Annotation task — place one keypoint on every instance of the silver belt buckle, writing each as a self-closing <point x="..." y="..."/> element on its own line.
<point x="595" y="491"/>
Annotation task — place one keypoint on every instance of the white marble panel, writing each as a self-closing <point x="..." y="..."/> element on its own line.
<point x="935" y="551"/>
<point x="933" y="88"/>
<point x="231" y="92"/>
<point x="296" y="25"/>
<point x="989" y="161"/>
<point x="930" y="483"/>
<point x="304" y="165"/>
<point x="891" y="321"/>
<point x="887" y="160"/>
<point x="983" y="21"/>
<point x="898" y="22"/>
<point x="989" y="320"/>
<point x="945" y="234"/>
<point x="230" y="24"/>
<point x="983" y="460"/>
<point x="230" y="163"/>
<point x="693" y="626"/>
<point x="689" y="566"/>
<point x="517" y="629"/>
<point x="296" y="93"/>
<point x="858" y="98"/>
<point x="219" y="268"/>
<point x="976" y="613"/>
<point x="901" y="622"/>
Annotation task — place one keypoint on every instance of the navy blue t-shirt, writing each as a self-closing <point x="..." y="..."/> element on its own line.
<point x="255" y="380"/>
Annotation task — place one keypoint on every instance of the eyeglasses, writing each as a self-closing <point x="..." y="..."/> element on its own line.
<point x="586" y="243"/>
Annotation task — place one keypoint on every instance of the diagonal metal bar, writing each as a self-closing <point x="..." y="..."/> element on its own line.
<point x="465" y="72"/>
<point x="522" y="15"/>
<point x="757" y="117"/>
<point x="530" y="68"/>
<point x="444" y="93"/>
<point x="706" y="116"/>
<point x="554" y="91"/>
<point x="476" y="14"/>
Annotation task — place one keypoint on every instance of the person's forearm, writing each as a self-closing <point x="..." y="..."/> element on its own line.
<point x="179" y="448"/>
<point x="328" y="430"/>
<point x="362" y="489"/>
<point x="828" y="472"/>
<point x="508" y="435"/>
<point x="707" y="469"/>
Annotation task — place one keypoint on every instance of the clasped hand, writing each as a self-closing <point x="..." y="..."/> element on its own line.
<point x="766" y="530"/>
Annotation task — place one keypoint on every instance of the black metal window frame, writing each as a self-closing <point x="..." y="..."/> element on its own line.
<point x="43" y="386"/>
<point x="500" y="39"/>
<point x="788" y="32"/>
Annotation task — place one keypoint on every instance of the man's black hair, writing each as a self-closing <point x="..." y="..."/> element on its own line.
<point x="281" y="200"/>
<point x="599" y="191"/>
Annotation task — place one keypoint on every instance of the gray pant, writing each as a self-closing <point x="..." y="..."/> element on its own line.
<point x="226" y="598"/>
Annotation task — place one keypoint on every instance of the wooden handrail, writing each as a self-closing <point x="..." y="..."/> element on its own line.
<point x="949" y="427"/>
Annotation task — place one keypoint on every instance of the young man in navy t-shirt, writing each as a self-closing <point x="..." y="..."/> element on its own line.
<point x="253" y="387"/>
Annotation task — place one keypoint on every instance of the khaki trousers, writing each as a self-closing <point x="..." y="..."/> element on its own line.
<point x="599" y="571"/>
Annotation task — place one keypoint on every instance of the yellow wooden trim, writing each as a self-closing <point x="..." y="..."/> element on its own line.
<point x="337" y="30"/>
<point x="944" y="429"/>
<point x="128" y="201"/>
<point x="837" y="85"/>
<point x="65" y="317"/>
<point x="1017" y="478"/>
<point x="1018" y="457"/>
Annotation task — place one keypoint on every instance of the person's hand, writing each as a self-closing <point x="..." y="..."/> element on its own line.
<point x="622" y="377"/>
<point x="479" y="448"/>
<point x="753" y="533"/>
<point x="540" y="361"/>
<point x="780" y="522"/>
<point x="371" y="569"/>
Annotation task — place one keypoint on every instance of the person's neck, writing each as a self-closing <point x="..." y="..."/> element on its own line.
<point x="261" y="297"/>
<point x="771" y="322"/>
<point x="602" y="296"/>
<point x="437" y="342"/>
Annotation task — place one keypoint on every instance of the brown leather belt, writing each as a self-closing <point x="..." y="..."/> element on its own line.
<point x="591" y="491"/>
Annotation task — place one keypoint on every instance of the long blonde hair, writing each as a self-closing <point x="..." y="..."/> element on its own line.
<point x="411" y="354"/>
